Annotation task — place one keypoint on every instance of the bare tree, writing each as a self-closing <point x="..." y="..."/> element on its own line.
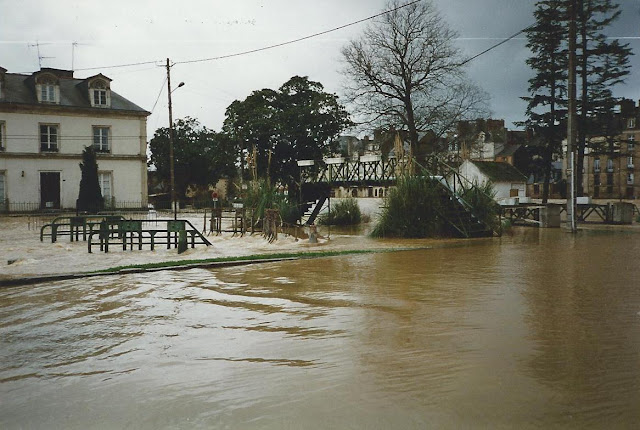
<point x="405" y="72"/>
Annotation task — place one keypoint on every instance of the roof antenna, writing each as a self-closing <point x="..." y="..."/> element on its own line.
<point x="40" y="57"/>
<point x="73" y="49"/>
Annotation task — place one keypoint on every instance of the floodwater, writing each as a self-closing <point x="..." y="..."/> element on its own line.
<point x="535" y="330"/>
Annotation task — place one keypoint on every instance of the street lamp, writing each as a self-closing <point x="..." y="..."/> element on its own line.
<point x="174" y="203"/>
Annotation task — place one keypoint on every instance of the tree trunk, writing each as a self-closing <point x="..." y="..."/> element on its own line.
<point x="582" y="123"/>
<point x="548" y="152"/>
<point x="411" y="124"/>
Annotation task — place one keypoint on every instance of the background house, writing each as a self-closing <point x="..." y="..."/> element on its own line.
<point x="609" y="164"/>
<point x="507" y="180"/>
<point x="46" y="120"/>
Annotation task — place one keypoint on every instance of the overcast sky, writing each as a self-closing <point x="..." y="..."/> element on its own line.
<point x="125" y="31"/>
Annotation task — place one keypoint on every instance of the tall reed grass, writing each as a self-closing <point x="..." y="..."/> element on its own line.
<point x="261" y="195"/>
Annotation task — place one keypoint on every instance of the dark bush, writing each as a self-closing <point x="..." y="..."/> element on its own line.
<point x="345" y="212"/>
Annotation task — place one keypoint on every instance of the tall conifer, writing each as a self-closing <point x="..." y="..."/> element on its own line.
<point x="602" y="64"/>
<point x="90" y="196"/>
<point x="546" y="108"/>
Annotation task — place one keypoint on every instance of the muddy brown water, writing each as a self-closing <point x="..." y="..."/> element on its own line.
<point x="535" y="330"/>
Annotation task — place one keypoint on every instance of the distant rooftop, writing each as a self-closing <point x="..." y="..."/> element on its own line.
<point x="499" y="172"/>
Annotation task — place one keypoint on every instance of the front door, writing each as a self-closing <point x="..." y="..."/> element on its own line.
<point x="49" y="190"/>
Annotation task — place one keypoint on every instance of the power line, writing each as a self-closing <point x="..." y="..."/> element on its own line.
<point x="513" y="36"/>
<point x="159" y="93"/>
<point x="251" y="51"/>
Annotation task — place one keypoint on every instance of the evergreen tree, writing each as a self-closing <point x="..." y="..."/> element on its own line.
<point x="602" y="64"/>
<point x="90" y="196"/>
<point x="546" y="108"/>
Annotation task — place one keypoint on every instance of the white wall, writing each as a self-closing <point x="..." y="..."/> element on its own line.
<point x="502" y="189"/>
<point x="126" y="161"/>
<point x="128" y="135"/>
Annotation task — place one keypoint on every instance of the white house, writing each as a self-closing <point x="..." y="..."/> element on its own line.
<point x="507" y="181"/>
<point x="47" y="118"/>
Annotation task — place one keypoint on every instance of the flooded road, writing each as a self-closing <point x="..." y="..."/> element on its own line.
<point x="535" y="330"/>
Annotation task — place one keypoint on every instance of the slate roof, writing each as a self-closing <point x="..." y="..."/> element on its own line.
<point x="508" y="150"/>
<point x="500" y="172"/>
<point x="19" y="90"/>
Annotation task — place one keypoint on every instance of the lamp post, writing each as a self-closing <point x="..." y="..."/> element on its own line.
<point x="174" y="203"/>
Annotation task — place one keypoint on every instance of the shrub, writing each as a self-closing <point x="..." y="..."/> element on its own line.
<point x="417" y="207"/>
<point x="345" y="212"/>
<point x="411" y="210"/>
<point x="89" y="195"/>
<point x="481" y="199"/>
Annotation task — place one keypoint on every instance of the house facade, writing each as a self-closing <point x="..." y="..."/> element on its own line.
<point x="610" y="172"/>
<point x="47" y="118"/>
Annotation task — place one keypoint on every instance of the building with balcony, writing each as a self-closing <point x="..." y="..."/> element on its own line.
<point x="47" y="118"/>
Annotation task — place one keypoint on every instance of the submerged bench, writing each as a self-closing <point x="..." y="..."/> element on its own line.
<point x="176" y="233"/>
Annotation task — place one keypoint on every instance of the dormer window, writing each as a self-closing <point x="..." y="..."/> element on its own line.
<point x="99" y="93"/>
<point x="47" y="89"/>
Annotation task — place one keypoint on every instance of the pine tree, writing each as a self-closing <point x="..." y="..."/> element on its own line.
<point x="90" y="196"/>
<point x="546" y="109"/>
<point x="602" y="65"/>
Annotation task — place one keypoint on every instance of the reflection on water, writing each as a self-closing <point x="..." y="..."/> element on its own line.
<point x="539" y="329"/>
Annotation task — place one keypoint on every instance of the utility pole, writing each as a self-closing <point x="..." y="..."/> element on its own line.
<point x="171" y="170"/>
<point x="571" y="122"/>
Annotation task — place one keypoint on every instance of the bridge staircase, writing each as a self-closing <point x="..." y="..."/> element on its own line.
<point x="314" y="196"/>
<point x="462" y="217"/>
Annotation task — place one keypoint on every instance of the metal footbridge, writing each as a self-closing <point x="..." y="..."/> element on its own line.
<point x="317" y="177"/>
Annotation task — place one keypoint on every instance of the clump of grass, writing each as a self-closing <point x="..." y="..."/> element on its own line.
<point x="345" y="212"/>
<point x="412" y="210"/>
<point x="481" y="198"/>
<point x="419" y="206"/>
<point x="261" y="195"/>
<point x="506" y="225"/>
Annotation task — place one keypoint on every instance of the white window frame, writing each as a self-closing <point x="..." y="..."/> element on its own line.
<point x="631" y="141"/>
<point x="596" y="165"/>
<point x="101" y="143"/>
<point x="630" y="161"/>
<point x="108" y="176"/>
<point x="99" y="97"/>
<point x="631" y="123"/>
<point x="48" y="93"/>
<point x="610" y="166"/>
<point x="630" y="178"/>
<point x="49" y="135"/>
